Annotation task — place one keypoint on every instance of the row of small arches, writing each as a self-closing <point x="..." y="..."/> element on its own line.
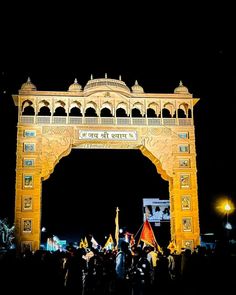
<point x="91" y="110"/>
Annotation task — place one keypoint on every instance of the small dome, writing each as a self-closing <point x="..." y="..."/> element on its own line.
<point x="75" y="86"/>
<point x="181" y="89"/>
<point x="28" y="86"/>
<point x="137" y="88"/>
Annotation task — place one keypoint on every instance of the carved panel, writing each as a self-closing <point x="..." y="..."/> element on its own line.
<point x="158" y="143"/>
<point x="56" y="143"/>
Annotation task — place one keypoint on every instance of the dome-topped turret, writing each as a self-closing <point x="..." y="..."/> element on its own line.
<point x="136" y="88"/>
<point x="75" y="86"/>
<point x="181" y="89"/>
<point x="28" y="86"/>
<point x="105" y="84"/>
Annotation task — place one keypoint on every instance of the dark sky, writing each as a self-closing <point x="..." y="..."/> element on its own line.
<point x="156" y="46"/>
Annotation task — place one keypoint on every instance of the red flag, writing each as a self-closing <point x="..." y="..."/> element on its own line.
<point x="147" y="235"/>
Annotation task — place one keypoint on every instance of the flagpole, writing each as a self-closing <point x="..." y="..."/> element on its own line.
<point x="138" y="232"/>
<point x="117" y="227"/>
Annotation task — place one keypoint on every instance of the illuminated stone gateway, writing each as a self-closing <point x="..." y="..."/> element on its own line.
<point x="106" y="114"/>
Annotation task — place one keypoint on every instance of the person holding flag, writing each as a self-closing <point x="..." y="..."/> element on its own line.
<point x="148" y="238"/>
<point x="128" y="236"/>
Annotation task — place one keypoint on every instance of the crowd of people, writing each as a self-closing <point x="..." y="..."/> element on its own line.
<point x="124" y="270"/>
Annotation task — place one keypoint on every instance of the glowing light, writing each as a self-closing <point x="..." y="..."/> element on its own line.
<point x="224" y="206"/>
<point x="227" y="207"/>
<point x="228" y="226"/>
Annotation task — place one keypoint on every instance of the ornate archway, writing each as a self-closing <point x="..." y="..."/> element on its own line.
<point x="43" y="140"/>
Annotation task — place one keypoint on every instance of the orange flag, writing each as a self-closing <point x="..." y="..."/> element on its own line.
<point x="147" y="235"/>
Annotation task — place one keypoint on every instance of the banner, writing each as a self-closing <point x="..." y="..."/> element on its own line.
<point x="156" y="210"/>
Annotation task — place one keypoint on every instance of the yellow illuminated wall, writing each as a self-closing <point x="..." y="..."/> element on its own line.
<point x="166" y="137"/>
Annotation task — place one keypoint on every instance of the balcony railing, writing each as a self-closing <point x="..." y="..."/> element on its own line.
<point x="122" y="121"/>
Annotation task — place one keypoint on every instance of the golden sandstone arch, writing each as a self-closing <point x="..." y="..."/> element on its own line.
<point x="160" y="125"/>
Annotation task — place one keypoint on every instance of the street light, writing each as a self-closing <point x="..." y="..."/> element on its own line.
<point x="224" y="206"/>
<point x="227" y="209"/>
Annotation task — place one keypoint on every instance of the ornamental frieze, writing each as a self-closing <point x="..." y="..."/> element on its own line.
<point x="58" y="130"/>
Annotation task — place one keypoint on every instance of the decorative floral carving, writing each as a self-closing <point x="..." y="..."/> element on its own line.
<point x="57" y="130"/>
<point x="56" y="143"/>
<point x="159" y="144"/>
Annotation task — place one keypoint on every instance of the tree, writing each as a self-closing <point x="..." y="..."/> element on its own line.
<point x="6" y="234"/>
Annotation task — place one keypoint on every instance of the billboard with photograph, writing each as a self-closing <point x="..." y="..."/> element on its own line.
<point x="156" y="210"/>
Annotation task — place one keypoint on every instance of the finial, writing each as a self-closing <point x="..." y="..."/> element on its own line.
<point x="91" y="77"/>
<point x="76" y="81"/>
<point x="180" y="83"/>
<point x="28" y="80"/>
<point x="120" y="77"/>
<point x="136" y="82"/>
<point x="105" y="75"/>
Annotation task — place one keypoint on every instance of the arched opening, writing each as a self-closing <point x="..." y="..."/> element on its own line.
<point x="105" y="112"/>
<point x="28" y="111"/>
<point x="82" y="193"/>
<point x="44" y="111"/>
<point x="151" y="113"/>
<point x="181" y="114"/>
<point x="59" y="111"/>
<point x="120" y="112"/>
<point x="90" y="112"/>
<point x="76" y="112"/>
<point x="27" y="108"/>
<point x="136" y="113"/>
<point x="166" y="113"/>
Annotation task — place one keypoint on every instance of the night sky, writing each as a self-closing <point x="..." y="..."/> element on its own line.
<point x="156" y="47"/>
